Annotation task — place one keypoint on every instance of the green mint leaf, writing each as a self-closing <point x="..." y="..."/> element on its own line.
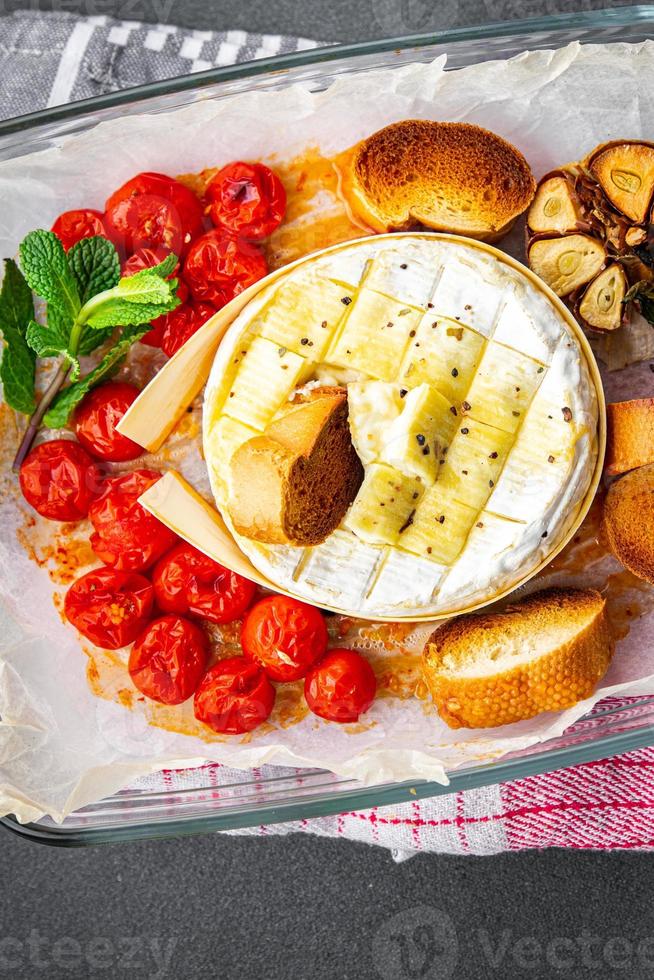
<point x="67" y="400"/>
<point x="165" y="268"/>
<point x="59" y="325"/>
<point x="136" y="300"/>
<point x="92" y="339"/>
<point x="17" y="367"/>
<point x="45" y="266"/>
<point x="44" y="341"/>
<point x="16" y="303"/>
<point x="95" y="266"/>
<point x="123" y="313"/>
<point x="17" y="370"/>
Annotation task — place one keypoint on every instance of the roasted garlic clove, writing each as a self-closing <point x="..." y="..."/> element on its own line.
<point x="635" y="236"/>
<point x="625" y="172"/>
<point x="601" y="306"/>
<point x="566" y="263"/>
<point x="555" y="207"/>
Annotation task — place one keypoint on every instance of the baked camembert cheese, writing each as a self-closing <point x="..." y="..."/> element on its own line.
<point x="472" y="408"/>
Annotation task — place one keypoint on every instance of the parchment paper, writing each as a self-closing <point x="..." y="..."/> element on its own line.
<point x="61" y="746"/>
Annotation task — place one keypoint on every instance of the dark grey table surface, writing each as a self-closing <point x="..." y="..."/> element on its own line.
<point x="289" y="908"/>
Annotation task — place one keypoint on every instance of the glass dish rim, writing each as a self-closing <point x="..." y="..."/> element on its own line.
<point x="347" y="800"/>
<point x="356" y="797"/>
<point x="330" y="52"/>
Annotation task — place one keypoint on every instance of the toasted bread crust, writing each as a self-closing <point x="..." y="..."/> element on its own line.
<point x="630" y="435"/>
<point x="628" y="521"/>
<point x="549" y="681"/>
<point x="452" y="177"/>
<point x="293" y="484"/>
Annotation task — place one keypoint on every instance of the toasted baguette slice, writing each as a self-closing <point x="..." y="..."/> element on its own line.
<point x="630" y="435"/>
<point x="448" y="176"/>
<point x="628" y="521"/>
<point x="293" y="484"/>
<point x="543" y="653"/>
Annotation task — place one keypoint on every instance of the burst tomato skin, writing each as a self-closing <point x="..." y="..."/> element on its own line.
<point x="341" y="686"/>
<point x="182" y="323"/>
<point x="60" y="480"/>
<point x="234" y="697"/>
<point x="71" y="226"/>
<point x="98" y="415"/>
<point x="146" y="258"/>
<point x="247" y="198"/>
<point x="285" y="636"/>
<point x="152" y="210"/>
<point x="186" y="581"/>
<point x="168" y="659"/>
<point x="126" y="536"/>
<point x="219" y="266"/>
<point x="109" y="608"/>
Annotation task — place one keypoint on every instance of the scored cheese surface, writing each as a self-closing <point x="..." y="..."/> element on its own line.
<point x="471" y="406"/>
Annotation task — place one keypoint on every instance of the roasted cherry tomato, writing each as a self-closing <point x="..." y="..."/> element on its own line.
<point x="182" y="323"/>
<point x="71" y="226"/>
<point x="341" y="686"/>
<point x="168" y="659"/>
<point x="146" y="258"/>
<point x="125" y="535"/>
<point x="186" y="581"/>
<point x="219" y="266"/>
<point x="153" y="210"/>
<point x="98" y="415"/>
<point x="284" y="636"/>
<point x="234" y="697"/>
<point x="247" y="198"/>
<point x="60" y="480"/>
<point x="109" y="608"/>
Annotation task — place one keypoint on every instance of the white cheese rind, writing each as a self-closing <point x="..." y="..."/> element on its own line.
<point x="532" y="501"/>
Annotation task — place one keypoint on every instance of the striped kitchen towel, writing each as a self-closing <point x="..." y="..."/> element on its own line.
<point x="49" y="59"/>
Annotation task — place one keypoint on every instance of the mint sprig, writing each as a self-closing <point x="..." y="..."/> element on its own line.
<point x="87" y="304"/>
<point x="17" y="366"/>
<point x="68" y="399"/>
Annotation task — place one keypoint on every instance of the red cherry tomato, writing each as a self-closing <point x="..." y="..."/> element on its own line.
<point x="341" y="686"/>
<point x="219" y="266"/>
<point x="247" y="198"/>
<point x="71" y="226"/>
<point x="125" y="535"/>
<point x="168" y="659"/>
<point x="182" y="323"/>
<point x="146" y="258"/>
<point x="109" y="608"/>
<point x="153" y="210"/>
<point x="60" y="480"/>
<point x="284" y="636"/>
<point x="186" y="581"/>
<point x="235" y="696"/>
<point x="98" y="415"/>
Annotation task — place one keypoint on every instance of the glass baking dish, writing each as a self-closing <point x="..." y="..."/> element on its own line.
<point x="198" y="803"/>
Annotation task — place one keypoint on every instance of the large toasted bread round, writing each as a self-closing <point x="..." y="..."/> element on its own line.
<point x="543" y="653"/>
<point x="628" y="521"/>
<point x="448" y="176"/>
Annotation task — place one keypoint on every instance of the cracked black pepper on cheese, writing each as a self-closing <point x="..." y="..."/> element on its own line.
<point x="471" y="407"/>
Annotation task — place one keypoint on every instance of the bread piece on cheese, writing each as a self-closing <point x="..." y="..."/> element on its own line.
<point x="544" y="653"/>
<point x="628" y="521"/>
<point x="449" y="176"/>
<point x="630" y="435"/>
<point x="293" y="484"/>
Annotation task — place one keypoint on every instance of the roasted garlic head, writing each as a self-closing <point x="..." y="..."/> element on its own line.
<point x="590" y="230"/>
